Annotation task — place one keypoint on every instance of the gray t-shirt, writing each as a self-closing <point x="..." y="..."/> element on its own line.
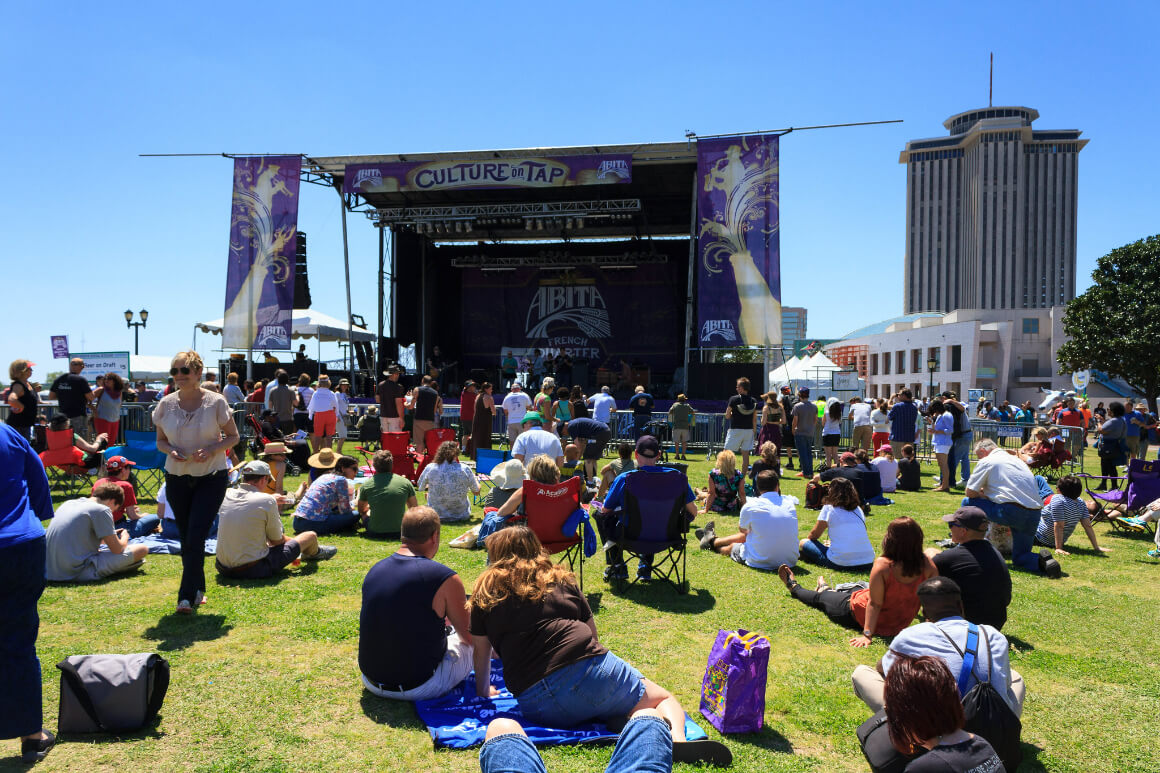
<point x="806" y="414"/>
<point x="74" y="534"/>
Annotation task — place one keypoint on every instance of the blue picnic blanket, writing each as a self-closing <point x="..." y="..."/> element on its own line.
<point x="459" y="719"/>
<point x="158" y="544"/>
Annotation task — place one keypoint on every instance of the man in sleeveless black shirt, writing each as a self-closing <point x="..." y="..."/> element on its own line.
<point x="405" y="650"/>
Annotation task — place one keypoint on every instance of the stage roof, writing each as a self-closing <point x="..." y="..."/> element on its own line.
<point x="657" y="202"/>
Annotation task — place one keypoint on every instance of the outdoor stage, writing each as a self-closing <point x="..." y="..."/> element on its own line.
<point x="585" y="251"/>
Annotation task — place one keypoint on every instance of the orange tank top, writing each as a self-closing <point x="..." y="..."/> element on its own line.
<point x="899" y="606"/>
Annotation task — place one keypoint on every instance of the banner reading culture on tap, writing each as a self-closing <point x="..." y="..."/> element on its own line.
<point x="538" y="172"/>
<point x="260" y="275"/>
<point x="739" y="257"/>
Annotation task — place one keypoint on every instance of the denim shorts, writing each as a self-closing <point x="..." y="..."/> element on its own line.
<point x="600" y="687"/>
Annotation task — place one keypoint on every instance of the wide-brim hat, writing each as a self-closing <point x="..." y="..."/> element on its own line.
<point x="324" y="459"/>
<point x="274" y="448"/>
<point x="509" y="475"/>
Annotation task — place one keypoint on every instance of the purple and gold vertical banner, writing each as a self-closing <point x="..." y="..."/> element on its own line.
<point x="739" y="256"/>
<point x="260" y="275"/>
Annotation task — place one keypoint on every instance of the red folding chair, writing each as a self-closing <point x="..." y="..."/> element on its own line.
<point x="546" y="508"/>
<point x="399" y="444"/>
<point x="433" y="438"/>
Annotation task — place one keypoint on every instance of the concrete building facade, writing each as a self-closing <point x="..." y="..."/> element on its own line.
<point x="991" y="214"/>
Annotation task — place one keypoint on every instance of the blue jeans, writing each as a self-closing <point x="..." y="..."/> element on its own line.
<point x="805" y="451"/>
<point x="195" y="501"/>
<point x="1023" y="522"/>
<point x="645" y="746"/>
<point x="140" y="527"/>
<point x="331" y="524"/>
<point x="961" y="453"/>
<point x="600" y="687"/>
<point x="815" y="552"/>
<point x="21" y="583"/>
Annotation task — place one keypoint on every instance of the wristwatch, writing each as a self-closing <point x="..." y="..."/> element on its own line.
<point x="868" y="634"/>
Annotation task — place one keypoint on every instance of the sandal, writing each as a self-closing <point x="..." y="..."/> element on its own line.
<point x="712" y="752"/>
<point x="786" y="576"/>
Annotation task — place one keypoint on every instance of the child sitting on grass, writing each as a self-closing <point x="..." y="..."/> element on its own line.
<point x="887" y="467"/>
<point x="572" y="465"/>
<point x="1060" y="516"/>
<point x="909" y="475"/>
<point x="623" y="463"/>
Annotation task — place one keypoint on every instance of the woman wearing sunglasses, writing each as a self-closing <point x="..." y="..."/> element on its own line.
<point x="195" y="428"/>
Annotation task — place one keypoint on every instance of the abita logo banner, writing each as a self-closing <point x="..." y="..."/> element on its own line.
<point x="575" y="303"/>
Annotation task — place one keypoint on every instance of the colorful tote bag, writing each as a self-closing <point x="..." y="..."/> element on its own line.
<point x="733" y="690"/>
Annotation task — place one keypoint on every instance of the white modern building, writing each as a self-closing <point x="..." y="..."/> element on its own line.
<point x="991" y="214"/>
<point x="1012" y="354"/>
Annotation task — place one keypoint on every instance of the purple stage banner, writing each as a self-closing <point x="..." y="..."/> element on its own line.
<point x="260" y="274"/>
<point x="59" y="347"/>
<point x="739" y="263"/>
<point x="538" y="172"/>
<point x="596" y="315"/>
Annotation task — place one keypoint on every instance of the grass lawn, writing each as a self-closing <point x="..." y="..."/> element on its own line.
<point x="265" y="676"/>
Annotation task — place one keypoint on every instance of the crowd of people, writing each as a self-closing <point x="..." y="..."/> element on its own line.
<point x="420" y="632"/>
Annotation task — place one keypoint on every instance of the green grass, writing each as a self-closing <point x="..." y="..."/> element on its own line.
<point x="265" y="677"/>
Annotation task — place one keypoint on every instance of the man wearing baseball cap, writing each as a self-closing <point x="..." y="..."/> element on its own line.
<point x="127" y="516"/>
<point x="250" y="542"/>
<point x="848" y="468"/>
<point x="976" y="566"/>
<point x="648" y="451"/>
<point x="535" y="440"/>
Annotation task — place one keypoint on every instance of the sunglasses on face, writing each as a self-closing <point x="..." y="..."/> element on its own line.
<point x="183" y="371"/>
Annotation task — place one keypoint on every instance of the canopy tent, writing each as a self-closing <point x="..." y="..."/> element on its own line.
<point x="813" y="372"/>
<point x="306" y="323"/>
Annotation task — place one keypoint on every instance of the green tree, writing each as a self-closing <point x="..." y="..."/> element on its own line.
<point x="1114" y="326"/>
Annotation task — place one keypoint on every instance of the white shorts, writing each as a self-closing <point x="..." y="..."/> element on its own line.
<point x="341" y="429"/>
<point x="454" y="668"/>
<point x="737" y="440"/>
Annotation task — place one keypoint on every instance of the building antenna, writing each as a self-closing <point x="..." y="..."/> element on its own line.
<point x="991" y="82"/>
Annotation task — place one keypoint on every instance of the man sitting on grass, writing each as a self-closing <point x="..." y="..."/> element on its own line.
<point x="769" y="529"/>
<point x="384" y="498"/>
<point x="127" y="516"/>
<point x="976" y="566"/>
<point x="944" y="636"/>
<point x="250" y="541"/>
<point x="76" y="532"/>
<point x="405" y="651"/>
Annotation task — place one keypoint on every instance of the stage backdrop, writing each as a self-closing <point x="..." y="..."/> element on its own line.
<point x="594" y="315"/>
<point x="260" y="275"/>
<point x="739" y="269"/>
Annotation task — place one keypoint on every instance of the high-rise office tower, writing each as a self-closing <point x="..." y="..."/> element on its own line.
<point x="991" y="214"/>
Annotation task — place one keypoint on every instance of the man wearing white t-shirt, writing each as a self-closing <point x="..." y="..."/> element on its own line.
<point x="863" y="427"/>
<point x="603" y="404"/>
<point x="535" y="440"/>
<point x="515" y="405"/>
<point x="769" y="528"/>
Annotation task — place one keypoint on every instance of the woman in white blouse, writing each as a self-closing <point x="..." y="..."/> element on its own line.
<point x="195" y="428"/>
<point x="448" y="482"/>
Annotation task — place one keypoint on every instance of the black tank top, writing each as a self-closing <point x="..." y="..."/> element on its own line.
<point x="27" y="417"/>
<point x="401" y="640"/>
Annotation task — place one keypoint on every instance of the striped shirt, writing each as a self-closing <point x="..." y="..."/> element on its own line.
<point x="1060" y="509"/>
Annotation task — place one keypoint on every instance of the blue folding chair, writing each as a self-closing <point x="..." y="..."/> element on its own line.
<point x="654" y="525"/>
<point x="141" y="449"/>
<point x="486" y="460"/>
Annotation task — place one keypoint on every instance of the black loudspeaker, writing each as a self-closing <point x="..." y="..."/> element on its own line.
<point x="301" y="283"/>
<point x="718" y="380"/>
<point x="478" y="375"/>
<point x="362" y="351"/>
<point x="388" y="352"/>
<point x="580" y="374"/>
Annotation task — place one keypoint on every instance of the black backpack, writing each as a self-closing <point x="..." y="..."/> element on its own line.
<point x="987" y="713"/>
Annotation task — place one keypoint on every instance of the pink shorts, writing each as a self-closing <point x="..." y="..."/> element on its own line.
<point x="325" y="423"/>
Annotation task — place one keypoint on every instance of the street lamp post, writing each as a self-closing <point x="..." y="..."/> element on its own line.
<point x="136" y="326"/>
<point x="931" y="365"/>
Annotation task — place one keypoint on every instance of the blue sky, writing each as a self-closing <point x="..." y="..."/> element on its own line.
<point x="88" y="229"/>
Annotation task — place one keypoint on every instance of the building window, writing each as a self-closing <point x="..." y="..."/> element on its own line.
<point x="874" y="364"/>
<point x="1031" y="326"/>
<point x="900" y="361"/>
<point x="886" y="363"/>
<point x="916" y="361"/>
<point x="956" y="358"/>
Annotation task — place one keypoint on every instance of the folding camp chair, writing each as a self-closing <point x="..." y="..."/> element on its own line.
<point x="546" y="508"/>
<point x="399" y="444"/>
<point x="64" y="464"/>
<point x="486" y="460"/>
<point x="433" y="438"/>
<point x="654" y="525"/>
<point x="1132" y="492"/>
<point x="141" y="449"/>
<point x="1049" y="461"/>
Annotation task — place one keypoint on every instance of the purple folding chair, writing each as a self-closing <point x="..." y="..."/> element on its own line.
<point x="1132" y="492"/>
<point x="654" y="526"/>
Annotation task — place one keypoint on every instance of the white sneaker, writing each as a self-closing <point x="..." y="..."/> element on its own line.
<point x="184" y="607"/>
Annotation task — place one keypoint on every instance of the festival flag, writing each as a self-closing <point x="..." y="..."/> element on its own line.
<point x="260" y="274"/>
<point x="739" y="260"/>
